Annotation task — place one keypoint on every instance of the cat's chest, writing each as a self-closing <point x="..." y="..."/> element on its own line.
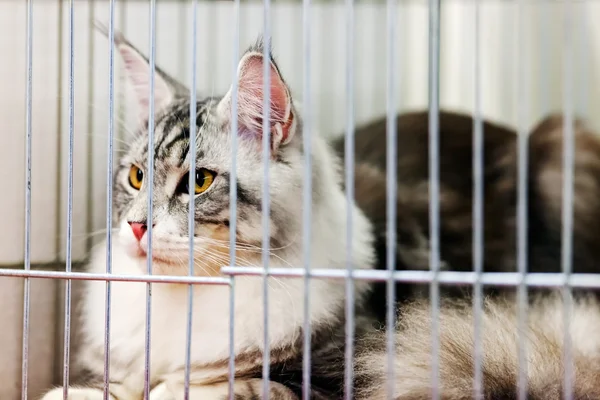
<point x="168" y="316"/>
<point x="168" y="323"/>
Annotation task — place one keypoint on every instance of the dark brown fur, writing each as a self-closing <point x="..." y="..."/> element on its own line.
<point x="456" y="196"/>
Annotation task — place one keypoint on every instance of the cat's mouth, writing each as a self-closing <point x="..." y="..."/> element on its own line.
<point x="157" y="257"/>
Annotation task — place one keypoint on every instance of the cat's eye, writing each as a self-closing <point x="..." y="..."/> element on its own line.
<point x="136" y="176"/>
<point x="204" y="178"/>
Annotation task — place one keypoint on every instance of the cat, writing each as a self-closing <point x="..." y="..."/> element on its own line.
<point x="210" y="339"/>
<point x="170" y="251"/>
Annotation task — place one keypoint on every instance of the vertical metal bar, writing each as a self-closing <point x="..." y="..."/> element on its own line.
<point x="150" y="183"/>
<point x="567" y="195"/>
<point x="233" y="193"/>
<point x="434" y="190"/>
<point x="477" y="211"/>
<point x="27" y="261"/>
<point x="583" y="44"/>
<point x="349" y="158"/>
<point x="122" y="111"/>
<point x="307" y="196"/>
<point x="182" y="32"/>
<point x="59" y="127"/>
<point x="59" y="158"/>
<point x="266" y="142"/>
<point x="109" y="191"/>
<point x="544" y="75"/>
<point x="522" y="199"/>
<point x="67" y="330"/>
<point x="392" y="150"/>
<point x="90" y="204"/>
<point x="192" y="204"/>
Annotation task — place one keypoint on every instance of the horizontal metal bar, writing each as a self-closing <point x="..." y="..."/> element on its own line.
<point x="45" y="267"/>
<point x="357" y="2"/>
<point x="446" y="277"/>
<point x="86" y="276"/>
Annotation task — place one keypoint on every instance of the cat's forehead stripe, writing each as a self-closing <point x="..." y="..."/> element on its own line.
<point x="176" y="131"/>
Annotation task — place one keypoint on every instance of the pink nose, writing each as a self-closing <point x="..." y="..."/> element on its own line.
<point x="138" y="229"/>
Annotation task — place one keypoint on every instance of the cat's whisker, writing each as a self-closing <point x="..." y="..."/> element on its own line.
<point x="245" y="246"/>
<point x="259" y="248"/>
<point x="215" y="261"/>
<point x="204" y="267"/>
<point x="252" y="250"/>
<point x="237" y="247"/>
<point x="223" y="244"/>
<point x="247" y="263"/>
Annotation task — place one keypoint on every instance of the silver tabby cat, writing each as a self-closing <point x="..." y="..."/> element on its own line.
<point x="171" y="197"/>
<point x="211" y="313"/>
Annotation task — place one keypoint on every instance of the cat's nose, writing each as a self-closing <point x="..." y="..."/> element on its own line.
<point x="138" y="229"/>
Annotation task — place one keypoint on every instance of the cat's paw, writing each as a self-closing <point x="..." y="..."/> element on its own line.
<point x="172" y="391"/>
<point x="162" y="392"/>
<point x="76" y="394"/>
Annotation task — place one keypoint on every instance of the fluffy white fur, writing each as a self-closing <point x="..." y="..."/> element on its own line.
<point x="211" y="303"/>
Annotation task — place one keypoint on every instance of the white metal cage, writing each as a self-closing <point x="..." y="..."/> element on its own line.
<point x="512" y="61"/>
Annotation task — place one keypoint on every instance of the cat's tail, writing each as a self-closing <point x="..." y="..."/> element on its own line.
<point x="500" y="366"/>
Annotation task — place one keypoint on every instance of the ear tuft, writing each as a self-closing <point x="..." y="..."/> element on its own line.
<point x="259" y="47"/>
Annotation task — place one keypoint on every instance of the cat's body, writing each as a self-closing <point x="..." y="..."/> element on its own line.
<point x="500" y="184"/>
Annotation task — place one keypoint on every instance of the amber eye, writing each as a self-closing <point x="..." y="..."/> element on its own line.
<point x="204" y="178"/>
<point x="136" y="176"/>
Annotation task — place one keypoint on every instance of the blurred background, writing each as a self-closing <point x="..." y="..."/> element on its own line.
<point x="522" y="58"/>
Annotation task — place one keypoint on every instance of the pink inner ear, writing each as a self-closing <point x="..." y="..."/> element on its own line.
<point x="251" y="98"/>
<point x="136" y="74"/>
<point x="139" y="75"/>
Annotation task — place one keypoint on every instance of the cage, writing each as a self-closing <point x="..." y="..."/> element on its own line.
<point x="65" y="110"/>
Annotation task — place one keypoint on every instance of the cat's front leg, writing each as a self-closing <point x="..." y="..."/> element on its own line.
<point x="76" y="394"/>
<point x="244" y="389"/>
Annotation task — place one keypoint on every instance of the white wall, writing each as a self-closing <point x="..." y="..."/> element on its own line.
<point x="541" y="37"/>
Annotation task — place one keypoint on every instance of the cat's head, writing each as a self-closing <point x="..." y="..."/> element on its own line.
<point x="171" y="195"/>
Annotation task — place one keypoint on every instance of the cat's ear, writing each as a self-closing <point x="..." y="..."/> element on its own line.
<point x="138" y="74"/>
<point x="137" y="69"/>
<point x="251" y="99"/>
